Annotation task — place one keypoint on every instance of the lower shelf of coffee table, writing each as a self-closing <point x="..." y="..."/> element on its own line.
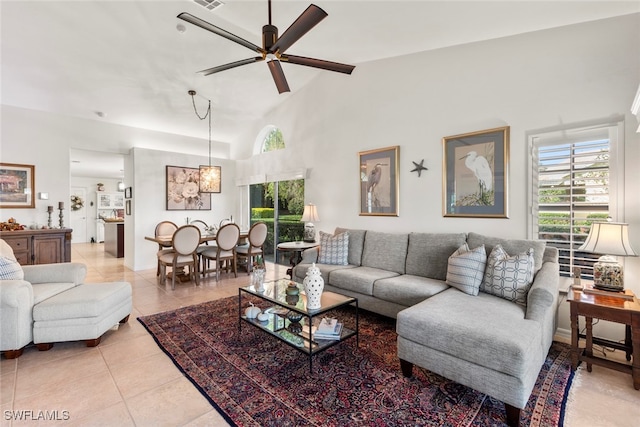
<point x="279" y="327"/>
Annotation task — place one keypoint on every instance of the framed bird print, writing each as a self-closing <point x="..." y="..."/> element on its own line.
<point x="475" y="171"/>
<point x="379" y="181"/>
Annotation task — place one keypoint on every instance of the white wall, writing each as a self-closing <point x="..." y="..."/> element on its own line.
<point x="529" y="82"/>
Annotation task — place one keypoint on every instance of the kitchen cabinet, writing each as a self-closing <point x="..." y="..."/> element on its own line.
<point x="110" y="200"/>
<point x="40" y="246"/>
<point x="114" y="238"/>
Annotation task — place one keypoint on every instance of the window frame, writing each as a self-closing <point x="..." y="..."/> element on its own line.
<point x="613" y="129"/>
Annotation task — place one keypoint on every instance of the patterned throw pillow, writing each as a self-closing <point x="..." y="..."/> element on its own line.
<point x="466" y="268"/>
<point x="334" y="249"/>
<point x="509" y="277"/>
<point x="10" y="269"/>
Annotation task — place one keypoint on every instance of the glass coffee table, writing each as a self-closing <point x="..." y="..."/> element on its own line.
<point x="290" y="321"/>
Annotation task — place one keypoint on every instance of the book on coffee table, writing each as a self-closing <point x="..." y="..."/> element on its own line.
<point x="317" y="335"/>
<point x="334" y="335"/>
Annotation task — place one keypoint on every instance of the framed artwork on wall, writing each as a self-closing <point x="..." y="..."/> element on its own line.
<point x="17" y="186"/>
<point x="379" y="181"/>
<point x="475" y="173"/>
<point x="128" y="192"/>
<point x="127" y="207"/>
<point x="183" y="191"/>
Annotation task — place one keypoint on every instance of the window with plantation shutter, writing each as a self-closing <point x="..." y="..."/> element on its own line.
<point x="573" y="186"/>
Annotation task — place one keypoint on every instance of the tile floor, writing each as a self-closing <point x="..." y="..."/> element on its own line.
<point x="128" y="381"/>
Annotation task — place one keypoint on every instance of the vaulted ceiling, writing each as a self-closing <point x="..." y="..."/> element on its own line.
<point x="128" y="61"/>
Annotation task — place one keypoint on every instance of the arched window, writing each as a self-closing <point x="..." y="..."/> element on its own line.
<point x="269" y="139"/>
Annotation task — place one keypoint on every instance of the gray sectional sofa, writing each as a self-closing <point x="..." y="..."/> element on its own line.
<point x="485" y="342"/>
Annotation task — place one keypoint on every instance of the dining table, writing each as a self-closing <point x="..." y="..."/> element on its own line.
<point x="165" y="242"/>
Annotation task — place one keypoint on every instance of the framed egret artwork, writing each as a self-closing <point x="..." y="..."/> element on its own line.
<point x="475" y="174"/>
<point x="379" y="181"/>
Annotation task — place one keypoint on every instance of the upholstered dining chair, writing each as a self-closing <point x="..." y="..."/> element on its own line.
<point x="204" y="228"/>
<point x="255" y="247"/>
<point x="226" y="241"/>
<point x="164" y="228"/>
<point x="184" y="253"/>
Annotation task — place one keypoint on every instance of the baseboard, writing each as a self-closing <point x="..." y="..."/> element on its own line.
<point x="562" y="335"/>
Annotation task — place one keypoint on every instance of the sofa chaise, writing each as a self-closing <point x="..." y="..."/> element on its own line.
<point x="493" y="343"/>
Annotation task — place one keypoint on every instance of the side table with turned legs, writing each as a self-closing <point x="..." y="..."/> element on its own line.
<point x="613" y="309"/>
<point x="296" y="249"/>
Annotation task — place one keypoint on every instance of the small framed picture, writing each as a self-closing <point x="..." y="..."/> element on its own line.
<point x="17" y="188"/>
<point x="379" y="181"/>
<point x="127" y="192"/>
<point x="127" y="207"/>
<point x="476" y="169"/>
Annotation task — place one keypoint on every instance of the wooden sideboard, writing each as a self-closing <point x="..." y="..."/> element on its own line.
<point x="39" y="246"/>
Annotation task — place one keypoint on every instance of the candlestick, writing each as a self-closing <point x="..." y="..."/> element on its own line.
<point x="60" y="205"/>
<point x="49" y="211"/>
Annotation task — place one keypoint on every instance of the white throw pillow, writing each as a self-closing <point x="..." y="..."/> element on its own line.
<point x="509" y="277"/>
<point x="466" y="269"/>
<point x="6" y="250"/>
<point x="334" y="249"/>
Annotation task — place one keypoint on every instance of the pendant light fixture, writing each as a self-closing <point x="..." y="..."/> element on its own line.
<point x="210" y="176"/>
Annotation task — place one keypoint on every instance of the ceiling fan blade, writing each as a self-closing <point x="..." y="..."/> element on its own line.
<point x="278" y="76"/>
<point x="219" y="31"/>
<point x="318" y="63"/>
<point x="231" y="65"/>
<point x="305" y="22"/>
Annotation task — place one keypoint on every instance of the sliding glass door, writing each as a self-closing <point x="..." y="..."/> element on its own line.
<point x="280" y="206"/>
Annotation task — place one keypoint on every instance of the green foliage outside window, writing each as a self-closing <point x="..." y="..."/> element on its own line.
<point x="261" y="213"/>
<point x="273" y="141"/>
<point x="290" y="195"/>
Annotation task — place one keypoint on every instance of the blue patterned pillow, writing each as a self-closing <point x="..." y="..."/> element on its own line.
<point x="10" y="269"/>
<point x="509" y="277"/>
<point x="466" y="268"/>
<point x="334" y="249"/>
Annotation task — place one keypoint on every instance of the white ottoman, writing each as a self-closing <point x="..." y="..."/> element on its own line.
<point x="84" y="312"/>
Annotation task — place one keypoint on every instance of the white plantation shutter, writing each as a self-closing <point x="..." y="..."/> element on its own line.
<point x="572" y="186"/>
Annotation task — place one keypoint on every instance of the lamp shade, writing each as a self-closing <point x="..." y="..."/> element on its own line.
<point x="310" y="213"/>
<point x="608" y="238"/>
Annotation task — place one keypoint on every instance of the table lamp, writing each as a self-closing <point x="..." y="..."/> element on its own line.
<point x="309" y="215"/>
<point x="609" y="239"/>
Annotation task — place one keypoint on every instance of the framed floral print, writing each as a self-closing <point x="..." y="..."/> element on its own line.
<point x="183" y="190"/>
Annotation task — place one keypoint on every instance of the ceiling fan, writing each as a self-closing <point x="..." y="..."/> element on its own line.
<point x="274" y="47"/>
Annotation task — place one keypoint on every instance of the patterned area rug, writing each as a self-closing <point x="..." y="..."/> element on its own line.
<point x="256" y="380"/>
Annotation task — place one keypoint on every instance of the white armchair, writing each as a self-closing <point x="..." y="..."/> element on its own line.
<point x="18" y="296"/>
